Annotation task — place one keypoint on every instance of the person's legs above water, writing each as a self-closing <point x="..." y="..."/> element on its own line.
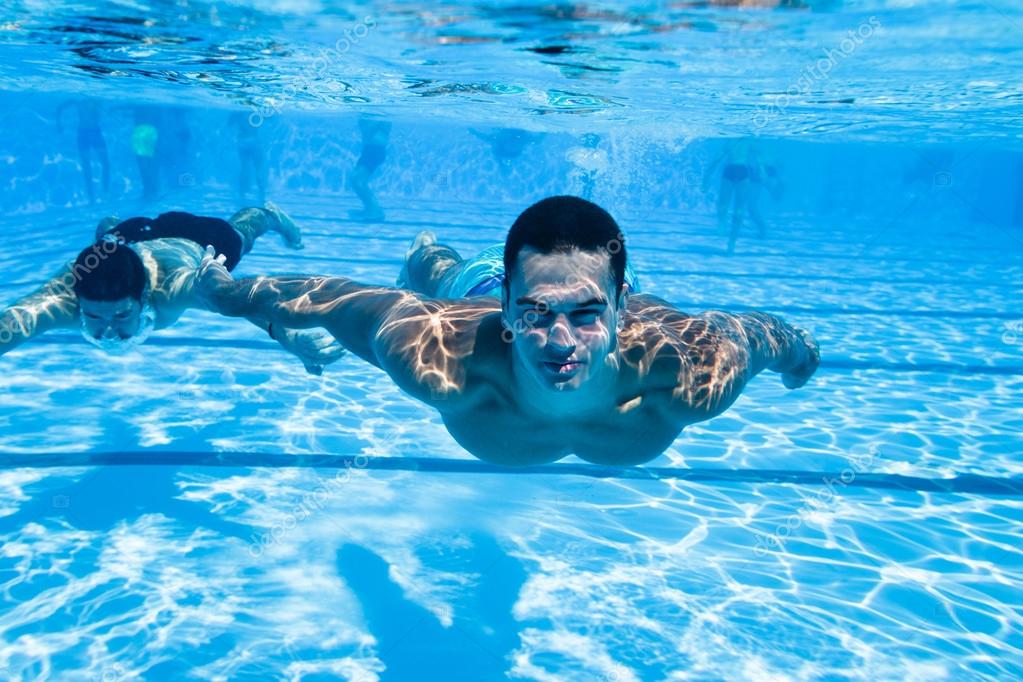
<point x="251" y="223"/>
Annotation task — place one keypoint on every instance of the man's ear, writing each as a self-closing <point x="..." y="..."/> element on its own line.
<point x="623" y="303"/>
<point x="505" y="304"/>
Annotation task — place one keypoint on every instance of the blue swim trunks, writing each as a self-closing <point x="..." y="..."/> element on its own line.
<point x="483" y="275"/>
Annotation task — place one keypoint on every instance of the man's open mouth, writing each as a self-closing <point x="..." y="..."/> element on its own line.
<point x="563" y="368"/>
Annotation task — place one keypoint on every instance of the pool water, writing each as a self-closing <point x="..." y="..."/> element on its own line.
<point x="289" y="526"/>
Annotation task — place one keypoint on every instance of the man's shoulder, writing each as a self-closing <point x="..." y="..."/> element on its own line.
<point x="652" y="317"/>
<point x="440" y="350"/>
<point x="694" y="356"/>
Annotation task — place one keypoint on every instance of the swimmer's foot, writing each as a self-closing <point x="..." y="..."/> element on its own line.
<point x="105" y="225"/>
<point x="423" y="239"/>
<point x="286" y="226"/>
<point x="367" y="215"/>
<point x="799" y="375"/>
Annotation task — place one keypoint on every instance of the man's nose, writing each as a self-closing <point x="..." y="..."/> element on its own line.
<point x="560" y="338"/>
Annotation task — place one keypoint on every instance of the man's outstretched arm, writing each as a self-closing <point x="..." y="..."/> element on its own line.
<point x="53" y="306"/>
<point x="741" y="346"/>
<point x="423" y="344"/>
<point x="779" y="347"/>
<point x="708" y="358"/>
<point x="351" y="312"/>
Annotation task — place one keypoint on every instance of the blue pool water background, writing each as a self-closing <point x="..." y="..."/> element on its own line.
<point x="894" y="242"/>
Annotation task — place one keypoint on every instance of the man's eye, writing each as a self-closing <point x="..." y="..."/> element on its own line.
<point x="91" y="316"/>
<point x="586" y="316"/>
<point x="121" y="316"/>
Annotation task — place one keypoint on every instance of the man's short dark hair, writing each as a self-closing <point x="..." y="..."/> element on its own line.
<point x="560" y="224"/>
<point x="109" y="271"/>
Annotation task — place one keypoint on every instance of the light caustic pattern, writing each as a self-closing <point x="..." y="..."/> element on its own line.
<point x="114" y="573"/>
<point x="614" y="581"/>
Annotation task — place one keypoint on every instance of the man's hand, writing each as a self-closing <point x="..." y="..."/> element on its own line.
<point x="800" y="374"/>
<point x="213" y="283"/>
<point x="314" y="348"/>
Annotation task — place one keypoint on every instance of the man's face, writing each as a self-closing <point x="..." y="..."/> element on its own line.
<point x="117" y="320"/>
<point x="563" y="314"/>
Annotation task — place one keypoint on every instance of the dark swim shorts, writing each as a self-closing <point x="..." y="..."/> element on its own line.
<point x="179" y="225"/>
<point x="736" y="172"/>
<point x="372" y="156"/>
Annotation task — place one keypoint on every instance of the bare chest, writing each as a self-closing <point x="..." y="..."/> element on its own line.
<point x="503" y="435"/>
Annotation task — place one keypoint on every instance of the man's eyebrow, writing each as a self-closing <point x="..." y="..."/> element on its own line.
<point x="596" y="301"/>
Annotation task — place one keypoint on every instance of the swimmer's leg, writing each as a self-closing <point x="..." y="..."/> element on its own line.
<point x="589" y="182"/>
<point x="105" y="225"/>
<point x="753" y="203"/>
<point x="148" y="172"/>
<point x="85" y="157"/>
<point x="359" y="182"/>
<point x="259" y="166"/>
<point x="252" y="223"/>
<point x="733" y="234"/>
<point x="104" y="162"/>
<point x="244" y="163"/>
<point x="427" y="264"/>
<point x="725" y="192"/>
<point x="739" y="207"/>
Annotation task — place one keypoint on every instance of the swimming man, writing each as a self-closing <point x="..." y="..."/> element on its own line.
<point x="566" y="361"/>
<point x="139" y="276"/>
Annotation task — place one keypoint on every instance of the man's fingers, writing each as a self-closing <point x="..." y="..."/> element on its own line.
<point x="210" y="255"/>
<point x="325" y="342"/>
<point x="333" y="354"/>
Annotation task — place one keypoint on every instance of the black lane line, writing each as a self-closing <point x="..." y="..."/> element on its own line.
<point x="974" y="484"/>
<point x="826" y="363"/>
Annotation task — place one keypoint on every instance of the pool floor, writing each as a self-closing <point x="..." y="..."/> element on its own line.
<point x="156" y="572"/>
